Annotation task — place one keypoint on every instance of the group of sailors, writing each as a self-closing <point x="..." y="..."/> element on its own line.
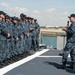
<point x="17" y="36"/>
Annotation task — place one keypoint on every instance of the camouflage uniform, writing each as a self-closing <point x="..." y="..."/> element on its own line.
<point x="70" y="45"/>
<point x="3" y="36"/>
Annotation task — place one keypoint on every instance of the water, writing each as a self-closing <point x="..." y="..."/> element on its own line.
<point x="50" y="41"/>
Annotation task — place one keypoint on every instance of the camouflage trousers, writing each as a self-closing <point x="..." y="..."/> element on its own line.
<point x="69" y="49"/>
<point x="3" y="50"/>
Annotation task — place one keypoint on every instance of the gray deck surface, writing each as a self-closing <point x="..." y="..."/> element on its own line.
<point x="42" y="66"/>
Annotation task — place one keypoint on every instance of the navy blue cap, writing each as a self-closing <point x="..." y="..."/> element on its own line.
<point x="7" y="17"/>
<point x="27" y="17"/>
<point x="72" y="15"/>
<point x="15" y="18"/>
<point x="2" y="12"/>
<point x="23" y="15"/>
<point x="35" y="19"/>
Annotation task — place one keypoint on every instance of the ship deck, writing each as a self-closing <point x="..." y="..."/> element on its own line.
<point x="44" y="62"/>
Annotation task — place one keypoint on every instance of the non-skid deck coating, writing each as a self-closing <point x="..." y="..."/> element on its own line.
<point x="45" y="64"/>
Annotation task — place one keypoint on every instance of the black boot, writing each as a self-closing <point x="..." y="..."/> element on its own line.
<point x="71" y="66"/>
<point x="28" y="53"/>
<point x="35" y="49"/>
<point x="63" y="65"/>
<point x="74" y="65"/>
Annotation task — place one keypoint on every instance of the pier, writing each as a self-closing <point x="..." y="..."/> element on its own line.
<point x="54" y="32"/>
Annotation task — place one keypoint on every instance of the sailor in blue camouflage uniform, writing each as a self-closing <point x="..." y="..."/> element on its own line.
<point x="37" y="33"/>
<point x="16" y="35"/>
<point x="9" y="26"/>
<point x="3" y="37"/>
<point x="31" y="28"/>
<point x="22" y="23"/>
<point x="34" y="37"/>
<point x="70" y="45"/>
<point x="26" y="35"/>
<point x="20" y="36"/>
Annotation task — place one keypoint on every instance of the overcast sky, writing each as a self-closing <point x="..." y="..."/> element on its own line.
<point x="48" y="12"/>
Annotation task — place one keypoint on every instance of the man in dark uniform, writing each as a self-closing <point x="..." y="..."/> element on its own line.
<point x="9" y="26"/>
<point x="70" y="45"/>
<point x="24" y="31"/>
<point x="37" y="33"/>
<point x="26" y="34"/>
<point x="31" y="29"/>
<point x="16" y="35"/>
<point x="34" y="35"/>
<point x="3" y="36"/>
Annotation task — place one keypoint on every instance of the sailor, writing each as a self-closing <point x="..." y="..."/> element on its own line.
<point x="70" y="45"/>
